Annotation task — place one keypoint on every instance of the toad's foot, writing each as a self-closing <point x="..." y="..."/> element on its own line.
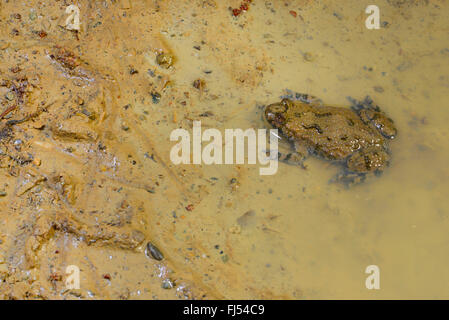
<point x="373" y="159"/>
<point x="348" y="179"/>
<point x="286" y="155"/>
<point x="293" y="158"/>
<point x="296" y="157"/>
<point x="303" y="97"/>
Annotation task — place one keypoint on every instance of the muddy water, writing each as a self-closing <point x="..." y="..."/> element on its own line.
<point x="92" y="182"/>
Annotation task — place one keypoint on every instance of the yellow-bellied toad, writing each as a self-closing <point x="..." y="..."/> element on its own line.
<point x="356" y="137"/>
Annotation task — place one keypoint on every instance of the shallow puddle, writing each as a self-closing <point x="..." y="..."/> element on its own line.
<point x="86" y="175"/>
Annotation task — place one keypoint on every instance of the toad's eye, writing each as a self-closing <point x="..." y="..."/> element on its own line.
<point x="275" y="114"/>
<point x="380" y="121"/>
<point x="276" y="108"/>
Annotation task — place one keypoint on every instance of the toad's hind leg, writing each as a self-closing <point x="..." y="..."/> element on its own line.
<point x="286" y="155"/>
<point x="293" y="158"/>
<point x="373" y="159"/>
<point x="348" y="178"/>
<point x="296" y="157"/>
<point x="370" y="160"/>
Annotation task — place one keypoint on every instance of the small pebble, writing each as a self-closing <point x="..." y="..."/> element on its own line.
<point x="132" y="70"/>
<point x="154" y="252"/>
<point x="42" y="34"/>
<point x="235" y="229"/>
<point x="37" y="162"/>
<point x="308" y="57"/>
<point x="164" y="60"/>
<point x="151" y="73"/>
<point x="10" y="96"/>
<point x="167" y="284"/>
<point x="125" y="126"/>
<point x="199" y="84"/>
<point x="33" y="15"/>
<point x="156" y="97"/>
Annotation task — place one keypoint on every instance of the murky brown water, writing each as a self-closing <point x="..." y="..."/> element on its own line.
<point x="91" y="181"/>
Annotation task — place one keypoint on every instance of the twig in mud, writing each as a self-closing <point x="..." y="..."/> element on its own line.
<point x="8" y="110"/>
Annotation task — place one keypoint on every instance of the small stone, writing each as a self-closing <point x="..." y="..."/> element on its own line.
<point x="199" y="84"/>
<point x="151" y="73"/>
<point x="156" y="97"/>
<point x="165" y="60"/>
<point x="15" y="69"/>
<point x="167" y="284"/>
<point x="3" y="193"/>
<point x="37" y="162"/>
<point x="10" y="95"/>
<point x="79" y="100"/>
<point x="42" y="34"/>
<point x="308" y="57"/>
<point x="125" y="126"/>
<point x="33" y="15"/>
<point x="235" y="229"/>
<point x="154" y="252"/>
<point x="132" y="70"/>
